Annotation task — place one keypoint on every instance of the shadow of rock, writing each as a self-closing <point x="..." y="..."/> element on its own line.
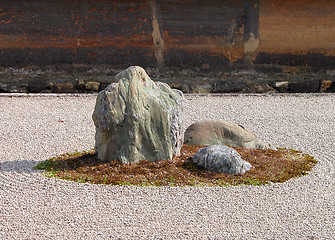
<point x="20" y="166"/>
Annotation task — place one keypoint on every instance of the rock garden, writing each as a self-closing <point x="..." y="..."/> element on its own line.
<point x="140" y="140"/>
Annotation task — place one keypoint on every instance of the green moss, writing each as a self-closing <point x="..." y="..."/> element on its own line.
<point x="268" y="166"/>
<point x="47" y="165"/>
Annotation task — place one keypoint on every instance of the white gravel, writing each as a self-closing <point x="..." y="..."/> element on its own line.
<point x="36" y="127"/>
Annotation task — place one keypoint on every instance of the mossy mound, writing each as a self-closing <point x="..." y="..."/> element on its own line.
<point x="267" y="166"/>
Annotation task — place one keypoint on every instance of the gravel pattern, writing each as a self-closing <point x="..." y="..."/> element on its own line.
<point x="36" y="127"/>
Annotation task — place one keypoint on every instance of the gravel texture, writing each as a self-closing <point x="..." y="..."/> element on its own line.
<point x="36" y="127"/>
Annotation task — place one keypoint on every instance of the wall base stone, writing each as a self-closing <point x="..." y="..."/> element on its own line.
<point x="74" y="78"/>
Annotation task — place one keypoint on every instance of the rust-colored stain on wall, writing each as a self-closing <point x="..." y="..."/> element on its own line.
<point x="297" y="26"/>
<point x="63" y="41"/>
<point x="182" y="32"/>
<point x="215" y="33"/>
<point x="76" y="30"/>
<point x="207" y="30"/>
<point x="72" y="24"/>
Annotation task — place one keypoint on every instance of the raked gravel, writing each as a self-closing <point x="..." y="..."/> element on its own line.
<point x="37" y="127"/>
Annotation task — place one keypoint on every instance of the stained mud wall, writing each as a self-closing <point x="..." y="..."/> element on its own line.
<point x="297" y="32"/>
<point x="200" y="46"/>
<point x="150" y="33"/>
<point x="44" y="32"/>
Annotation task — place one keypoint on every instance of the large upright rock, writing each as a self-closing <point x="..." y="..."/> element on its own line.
<point x="219" y="132"/>
<point x="138" y="119"/>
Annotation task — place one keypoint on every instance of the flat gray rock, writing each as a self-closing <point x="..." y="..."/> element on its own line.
<point x="219" y="132"/>
<point x="220" y="158"/>
<point x="138" y="119"/>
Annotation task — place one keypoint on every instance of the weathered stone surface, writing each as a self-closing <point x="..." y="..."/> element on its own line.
<point x="13" y="88"/>
<point x="37" y="84"/>
<point x="62" y="87"/>
<point x="332" y="87"/>
<point x="228" y="85"/>
<point x="74" y="78"/>
<point x="259" y="88"/>
<point x="281" y="86"/>
<point x="201" y="88"/>
<point x="304" y="86"/>
<point x="61" y="84"/>
<point x="219" y="132"/>
<point x="80" y="84"/>
<point x="325" y="85"/>
<point x="138" y="119"/>
<point x="92" y="86"/>
<point x="220" y="158"/>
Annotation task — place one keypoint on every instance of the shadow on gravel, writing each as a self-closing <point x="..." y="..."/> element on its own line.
<point x="20" y="166"/>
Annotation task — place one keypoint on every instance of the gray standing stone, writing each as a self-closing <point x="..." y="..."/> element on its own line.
<point x="220" y="158"/>
<point x="138" y="119"/>
<point x="219" y="132"/>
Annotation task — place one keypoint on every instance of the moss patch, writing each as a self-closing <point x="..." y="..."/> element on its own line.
<point x="267" y="166"/>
